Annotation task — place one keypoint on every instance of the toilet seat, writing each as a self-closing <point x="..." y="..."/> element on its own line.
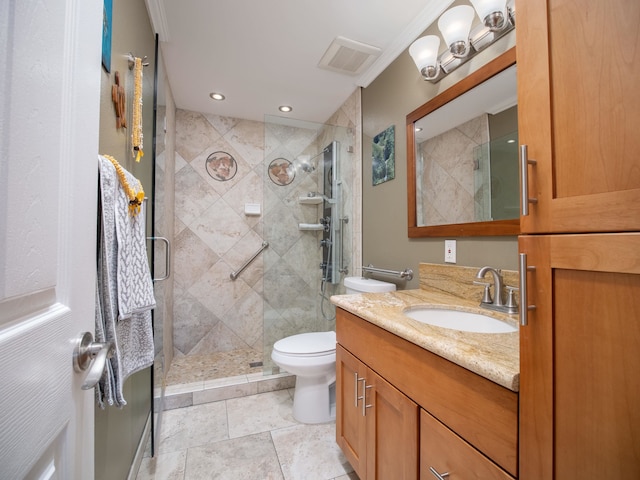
<point x="313" y="344"/>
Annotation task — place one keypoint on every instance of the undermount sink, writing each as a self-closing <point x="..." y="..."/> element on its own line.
<point x="459" y="320"/>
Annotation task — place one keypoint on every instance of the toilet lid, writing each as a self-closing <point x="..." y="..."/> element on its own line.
<point x="307" y="343"/>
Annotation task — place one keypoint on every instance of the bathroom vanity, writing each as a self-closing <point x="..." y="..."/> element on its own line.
<point x="417" y="401"/>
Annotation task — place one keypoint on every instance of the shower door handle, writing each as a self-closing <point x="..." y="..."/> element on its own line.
<point x="167" y="258"/>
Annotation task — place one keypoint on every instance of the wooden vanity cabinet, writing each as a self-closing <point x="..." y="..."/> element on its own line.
<point x="578" y="113"/>
<point x="404" y="380"/>
<point x="376" y="426"/>
<point x="580" y="358"/>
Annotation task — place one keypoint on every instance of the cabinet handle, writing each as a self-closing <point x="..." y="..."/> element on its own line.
<point x="524" y="302"/>
<point x="524" y="163"/>
<point x="355" y="389"/>
<point x="439" y="476"/>
<point x="364" y="399"/>
<point x="364" y="387"/>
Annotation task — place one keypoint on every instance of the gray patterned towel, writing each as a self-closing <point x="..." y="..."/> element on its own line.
<point x="124" y="290"/>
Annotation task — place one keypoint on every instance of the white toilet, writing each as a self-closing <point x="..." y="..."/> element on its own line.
<point x="311" y="357"/>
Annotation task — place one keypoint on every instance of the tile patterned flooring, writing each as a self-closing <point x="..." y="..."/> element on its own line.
<point x="226" y="420"/>
<point x="249" y="438"/>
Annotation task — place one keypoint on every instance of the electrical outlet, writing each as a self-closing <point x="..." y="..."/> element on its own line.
<point x="450" y="251"/>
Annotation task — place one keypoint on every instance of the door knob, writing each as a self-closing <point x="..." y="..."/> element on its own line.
<point x="92" y="355"/>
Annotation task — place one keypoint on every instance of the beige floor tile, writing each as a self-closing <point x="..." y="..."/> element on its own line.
<point x="169" y="466"/>
<point x="310" y="452"/>
<point x="260" y="413"/>
<point x="183" y="428"/>
<point x="247" y="458"/>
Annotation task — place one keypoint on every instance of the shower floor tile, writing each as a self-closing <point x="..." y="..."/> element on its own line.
<point x="200" y="368"/>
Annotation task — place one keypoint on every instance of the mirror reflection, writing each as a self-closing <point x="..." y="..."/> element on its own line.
<point x="465" y="159"/>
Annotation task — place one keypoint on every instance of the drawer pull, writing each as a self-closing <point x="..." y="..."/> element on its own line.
<point x="439" y="476"/>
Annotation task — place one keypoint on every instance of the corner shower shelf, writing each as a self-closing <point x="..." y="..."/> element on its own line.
<point x="306" y="200"/>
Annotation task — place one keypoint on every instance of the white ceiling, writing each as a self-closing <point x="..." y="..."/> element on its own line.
<point x="264" y="53"/>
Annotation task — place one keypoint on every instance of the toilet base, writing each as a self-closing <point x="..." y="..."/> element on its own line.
<point x="313" y="401"/>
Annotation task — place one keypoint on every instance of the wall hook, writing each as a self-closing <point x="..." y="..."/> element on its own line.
<point x="132" y="61"/>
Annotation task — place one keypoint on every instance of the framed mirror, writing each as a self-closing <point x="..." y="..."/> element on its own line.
<point x="462" y="157"/>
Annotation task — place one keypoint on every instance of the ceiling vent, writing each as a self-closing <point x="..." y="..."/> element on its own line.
<point x="348" y="56"/>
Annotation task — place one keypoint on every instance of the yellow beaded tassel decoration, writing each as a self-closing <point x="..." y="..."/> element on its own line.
<point x="136" y="130"/>
<point x="135" y="199"/>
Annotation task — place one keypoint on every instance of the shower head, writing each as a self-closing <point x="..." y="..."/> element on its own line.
<point x="304" y="163"/>
<point x="307" y="163"/>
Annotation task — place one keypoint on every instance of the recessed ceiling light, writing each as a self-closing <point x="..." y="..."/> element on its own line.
<point x="216" y="96"/>
<point x="285" y="108"/>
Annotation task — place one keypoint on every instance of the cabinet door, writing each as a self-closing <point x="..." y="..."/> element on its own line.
<point x="578" y="113"/>
<point x="350" y="420"/>
<point x="392" y="431"/>
<point x="579" y="356"/>
<point x="444" y="453"/>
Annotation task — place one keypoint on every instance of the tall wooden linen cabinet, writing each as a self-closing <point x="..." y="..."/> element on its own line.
<point x="579" y="123"/>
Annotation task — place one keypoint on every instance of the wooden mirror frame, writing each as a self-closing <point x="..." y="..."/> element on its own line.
<point x="489" y="228"/>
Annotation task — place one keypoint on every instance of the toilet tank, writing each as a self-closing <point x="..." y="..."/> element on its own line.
<point x="369" y="285"/>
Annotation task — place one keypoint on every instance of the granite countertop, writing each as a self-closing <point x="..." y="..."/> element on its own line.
<point x="492" y="356"/>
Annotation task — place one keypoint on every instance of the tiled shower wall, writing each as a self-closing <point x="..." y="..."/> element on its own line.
<point x="214" y="237"/>
<point x="448" y="189"/>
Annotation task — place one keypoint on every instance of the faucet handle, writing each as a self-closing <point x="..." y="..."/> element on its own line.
<point x="511" y="298"/>
<point x="486" y="296"/>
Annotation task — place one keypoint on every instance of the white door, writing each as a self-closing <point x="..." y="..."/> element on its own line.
<point x="49" y="121"/>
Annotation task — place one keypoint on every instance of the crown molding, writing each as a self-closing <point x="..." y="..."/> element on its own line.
<point x="158" y="18"/>
<point x="428" y="15"/>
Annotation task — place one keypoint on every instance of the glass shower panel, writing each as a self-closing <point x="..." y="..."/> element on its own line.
<point x="305" y="220"/>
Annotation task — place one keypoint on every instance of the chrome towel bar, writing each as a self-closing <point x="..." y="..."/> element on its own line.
<point x="407" y="273"/>
<point x="235" y="274"/>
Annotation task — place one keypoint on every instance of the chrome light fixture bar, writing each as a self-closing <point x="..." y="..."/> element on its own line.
<point x="498" y="18"/>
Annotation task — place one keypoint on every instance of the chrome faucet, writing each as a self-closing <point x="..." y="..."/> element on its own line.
<point x="498" y="283"/>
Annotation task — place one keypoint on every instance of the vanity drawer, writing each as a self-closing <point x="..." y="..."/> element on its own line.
<point x="446" y="453"/>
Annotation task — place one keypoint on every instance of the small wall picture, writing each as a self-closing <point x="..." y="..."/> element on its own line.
<point x="383" y="156"/>
<point x="107" y="22"/>
<point x="221" y="166"/>
<point x="281" y="171"/>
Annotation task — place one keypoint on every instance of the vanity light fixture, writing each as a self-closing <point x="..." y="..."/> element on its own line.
<point x="455" y="25"/>
<point x="498" y="17"/>
<point x="216" y="96"/>
<point x="285" y="108"/>
<point x="424" y="52"/>
<point x="493" y="13"/>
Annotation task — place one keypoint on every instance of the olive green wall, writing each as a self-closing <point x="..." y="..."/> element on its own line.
<point x="386" y="101"/>
<point x="118" y="431"/>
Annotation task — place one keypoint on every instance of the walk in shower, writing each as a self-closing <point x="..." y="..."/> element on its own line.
<point x="307" y="197"/>
<point x="257" y="253"/>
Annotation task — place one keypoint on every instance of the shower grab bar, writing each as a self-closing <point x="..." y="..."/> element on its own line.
<point x="406" y="273"/>
<point x="167" y="257"/>
<point x="237" y="273"/>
